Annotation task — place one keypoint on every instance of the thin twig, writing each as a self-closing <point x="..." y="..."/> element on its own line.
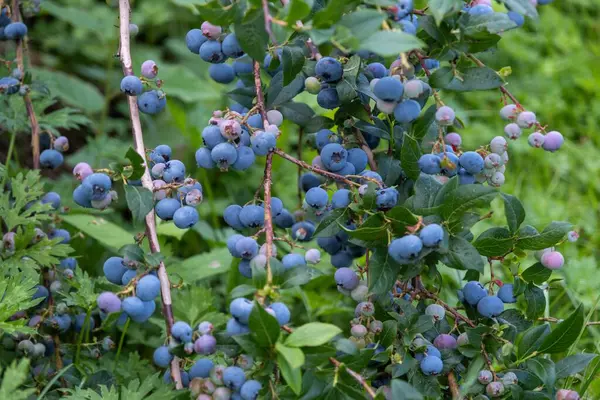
<point x="558" y="320"/>
<point x="357" y="377"/>
<point x="453" y="386"/>
<point x="436" y="95"/>
<point x="502" y="88"/>
<point x="451" y="310"/>
<point x="35" y="127"/>
<point x="260" y="97"/>
<point x="316" y="170"/>
<point x="268" y="21"/>
<point x="165" y="285"/>
<point x="300" y="134"/>
<point x="268" y="217"/>
<point x="363" y="145"/>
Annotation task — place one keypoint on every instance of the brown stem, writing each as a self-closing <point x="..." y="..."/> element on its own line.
<point x="363" y="145"/>
<point x="260" y="97"/>
<point x="268" y="21"/>
<point x="453" y="386"/>
<point x="300" y="135"/>
<point x="316" y="170"/>
<point x="451" y="310"/>
<point x="357" y="377"/>
<point x="138" y="138"/>
<point x="268" y="217"/>
<point x="35" y="127"/>
<point x="488" y="360"/>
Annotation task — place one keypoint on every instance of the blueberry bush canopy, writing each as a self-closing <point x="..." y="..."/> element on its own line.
<point x="324" y="230"/>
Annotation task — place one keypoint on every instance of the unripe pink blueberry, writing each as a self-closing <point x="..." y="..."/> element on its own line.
<point x="82" y="170"/>
<point x="509" y="112"/>
<point x="376" y="327"/>
<point x="275" y="117"/>
<point x="445" y="341"/>
<point x="453" y="139"/>
<point x="445" y="116"/>
<point x="526" y="119"/>
<point x="413" y="88"/>
<point x="494" y="389"/>
<point x="230" y="129"/>
<point x="497" y="179"/>
<point x="61" y="144"/>
<point x="359" y="331"/>
<point x="536" y="139"/>
<point x="553" y="141"/>
<point x="211" y="31"/>
<point x="386" y="107"/>
<point x="512" y="131"/>
<point x="149" y="69"/>
<point x="553" y="260"/>
<point x="160" y="194"/>
<point x="572" y="236"/>
<point x="193" y="197"/>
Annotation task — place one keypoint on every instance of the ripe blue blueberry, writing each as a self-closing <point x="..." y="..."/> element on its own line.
<point x="378" y="70"/>
<point x="242" y="66"/>
<point x="386" y="198"/>
<point x="445" y="341"/>
<point x="68" y="263"/>
<point x="481" y="9"/>
<point x="331" y="245"/>
<point x="473" y="292"/>
<point x="328" y="98"/>
<point x="204" y="158"/>
<point x="490" y="306"/>
<point x="285" y="219"/>
<point x="472" y="162"/>
<point x="302" y="231"/>
<point x="201" y="369"/>
<point x="276" y="206"/>
<point x="162" y="357"/>
<point x="431" y="365"/>
<point x="430" y="164"/>
<point x="358" y="158"/>
<point x="97" y="186"/>
<point x="194" y="39"/>
<point x="211" y="136"/>
<point x="250" y="390"/>
<point x="341" y="198"/>
<point x="60" y="233"/>
<point x="403" y="8"/>
<point x="252" y="216"/>
<point x="334" y="156"/>
<point x="449" y="163"/>
<point x="147" y="288"/>
<point x="324" y="137"/>
<point x="79" y="322"/>
<point x="234" y="378"/>
<point x="114" y="269"/>
<point x="51" y="158"/>
<point x="234" y="327"/>
<point x="308" y="181"/>
<point x="445" y="116"/>
<point x="240" y="309"/>
<point x="407" y="111"/>
<point x="231" y="215"/>
<point x="132" y="85"/>
<point x="464" y="178"/>
<point x="247" y="248"/>
<point x="221" y="73"/>
<point x="185" y="217"/>
<point x="506" y="293"/>
<point x="263" y="143"/>
<point x="553" y="141"/>
<point x="317" y="198"/>
<point x="161" y="153"/>
<point x="152" y="102"/>
<point x="282" y="312"/>
<point x="245" y="158"/>
<point x="182" y="332"/>
<point x="272" y="70"/>
<point x="15" y="30"/>
<point x="211" y="51"/>
<point x="536" y="139"/>
<point x="293" y="260"/>
<point x="245" y="268"/>
<point x="346" y="278"/>
<point x="224" y="155"/>
<point x="231" y="47"/>
<point x="342" y="259"/>
<point x="206" y="344"/>
<point x="135" y="308"/>
<point x="128" y="276"/>
<point x="166" y="208"/>
<point x="329" y="69"/>
<point x="432" y="235"/>
<point x="429" y="351"/>
<point x="51" y="198"/>
<point x="405" y="248"/>
<point x="389" y="89"/>
<point x="9" y="85"/>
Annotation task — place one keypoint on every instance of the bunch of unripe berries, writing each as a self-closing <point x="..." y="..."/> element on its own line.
<point x="520" y="119"/>
<point x="150" y="101"/>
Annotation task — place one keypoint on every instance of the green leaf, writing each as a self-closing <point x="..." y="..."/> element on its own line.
<point x="383" y="272"/>
<point x="137" y="163"/>
<point x="535" y="300"/>
<point x="215" y="13"/>
<point x="523" y="7"/>
<point x="515" y="213"/>
<point x="298" y="113"/>
<point x="495" y="242"/>
<point x="409" y="157"/>
<point x="426" y="189"/>
<point x="447" y="189"/>
<point x="389" y="332"/>
<point x="203" y="265"/>
<point x="402" y="390"/>
<point x="443" y="8"/>
<point x="330" y="225"/>
<point x="105" y="232"/>
<point x="550" y="236"/>
<point x="72" y="90"/>
<point x="369" y="21"/>
<point x="331" y="14"/>
<point x="565" y="333"/>
<point x="312" y="334"/>
<point x="292" y="376"/>
<point x="467" y="80"/>
<point x="425" y="123"/>
<point x="292" y="59"/>
<point x="140" y="201"/>
<point x="14" y="376"/>
<point x="401" y="218"/>
<point x="298" y="10"/>
<point x="294" y="356"/>
<point x="465" y="198"/>
<point x="492" y="23"/>
<point x="537" y="274"/>
<point x="530" y="340"/>
<point x="573" y="364"/>
<point x="390" y="43"/>
<point x="279" y="93"/>
<point x="264" y="327"/>
<point x="544" y="369"/>
<point x="251" y="34"/>
<point x="462" y="255"/>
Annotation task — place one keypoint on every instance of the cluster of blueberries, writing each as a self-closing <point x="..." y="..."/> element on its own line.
<point x="95" y="190"/>
<point x="484" y="7"/>
<point x="234" y="139"/>
<point x="176" y="196"/>
<point x="488" y="305"/>
<point x="408" y="248"/>
<point x="519" y="119"/>
<point x="10" y="30"/>
<point x="240" y="309"/>
<point x="150" y="101"/>
<point x="53" y="157"/>
<point x="12" y="84"/>
<point x="216" y="47"/>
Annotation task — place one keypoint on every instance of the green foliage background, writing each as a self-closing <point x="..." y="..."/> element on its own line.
<point x="73" y="45"/>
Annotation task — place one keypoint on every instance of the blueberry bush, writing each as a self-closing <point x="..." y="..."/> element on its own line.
<point x="324" y="233"/>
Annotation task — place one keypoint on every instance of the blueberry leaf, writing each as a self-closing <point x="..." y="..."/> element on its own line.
<point x="140" y="201"/>
<point x="565" y="333"/>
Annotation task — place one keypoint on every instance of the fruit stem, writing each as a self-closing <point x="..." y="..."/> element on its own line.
<point x="35" y="127"/>
<point x="121" y="340"/>
<point x="453" y="386"/>
<point x="268" y="21"/>
<point x="165" y="285"/>
<point x="502" y="88"/>
<point x="268" y="217"/>
<point x="357" y="377"/>
<point x="363" y="145"/>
